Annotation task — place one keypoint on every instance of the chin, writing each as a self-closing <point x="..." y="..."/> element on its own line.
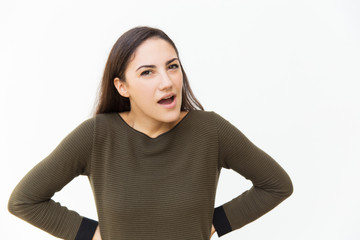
<point x="171" y="116"/>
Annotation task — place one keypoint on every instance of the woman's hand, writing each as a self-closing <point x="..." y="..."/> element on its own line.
<point x="97" y="235"/>
<point x="212" y="230"/>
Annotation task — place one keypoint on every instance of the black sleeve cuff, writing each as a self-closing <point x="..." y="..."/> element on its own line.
<point x="220" y="222"/>
<point x="87" y="229"/>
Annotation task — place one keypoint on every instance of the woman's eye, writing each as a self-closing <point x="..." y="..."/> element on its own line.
<point x="174" y="66"/>
<point x="147" y="72"/>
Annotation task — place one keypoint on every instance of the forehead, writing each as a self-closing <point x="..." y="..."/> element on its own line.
<point x="153" y="51"/>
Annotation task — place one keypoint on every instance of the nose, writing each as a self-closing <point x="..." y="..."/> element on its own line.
<point x="165" y="81"/>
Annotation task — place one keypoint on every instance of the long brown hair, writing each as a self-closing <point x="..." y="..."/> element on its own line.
<point x="108" y="98"/>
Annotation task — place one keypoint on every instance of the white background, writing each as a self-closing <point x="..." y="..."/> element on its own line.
<point x="286" y="73"/>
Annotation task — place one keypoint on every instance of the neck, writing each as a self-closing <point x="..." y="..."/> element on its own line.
<point x="149" y="126"/>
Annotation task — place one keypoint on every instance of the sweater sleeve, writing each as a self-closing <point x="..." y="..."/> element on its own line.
<point x="271" y="184"/>
<point x="31" y="198"/>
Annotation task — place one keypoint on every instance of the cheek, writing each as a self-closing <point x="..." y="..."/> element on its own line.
<point x="179" y="80"/>
<point x="145" y="93"/>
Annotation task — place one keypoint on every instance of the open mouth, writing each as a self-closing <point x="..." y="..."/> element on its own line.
<point x="167" y="101"/>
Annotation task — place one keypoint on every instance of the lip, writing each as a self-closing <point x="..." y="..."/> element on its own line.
<point x="167" y="95"/>
<point x="171" y="105"/>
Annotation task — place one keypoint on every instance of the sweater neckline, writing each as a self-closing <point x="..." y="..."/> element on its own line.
<point x="159" y="136"/>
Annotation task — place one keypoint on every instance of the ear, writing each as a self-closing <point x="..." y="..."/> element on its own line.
<point x="121" y="87"/>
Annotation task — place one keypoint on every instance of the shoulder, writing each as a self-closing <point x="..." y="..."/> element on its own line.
<point x="106" y="122"/>
<point x="202" y="115"/>
<point x="94" y="120"/>
<point x="106" y="118"/>
<point x="212" y="119"/>
<point x="204" y="120"/>
<point x="100" y="121"/>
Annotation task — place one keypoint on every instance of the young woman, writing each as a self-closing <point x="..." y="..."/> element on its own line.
<point x="153" y="157"/>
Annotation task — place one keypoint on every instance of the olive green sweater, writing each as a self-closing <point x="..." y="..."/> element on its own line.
<point x="147" y="188"/>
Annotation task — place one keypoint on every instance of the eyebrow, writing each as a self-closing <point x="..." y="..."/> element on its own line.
<point x="152" y="66"/>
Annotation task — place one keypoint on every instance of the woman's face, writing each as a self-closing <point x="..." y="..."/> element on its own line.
<point x="153" y="73"/>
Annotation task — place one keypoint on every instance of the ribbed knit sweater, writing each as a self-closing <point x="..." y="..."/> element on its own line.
<point x="145" y="188"/>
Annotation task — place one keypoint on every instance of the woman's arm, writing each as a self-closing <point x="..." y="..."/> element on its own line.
<point x="271" y="184"/>
<point x="97" y="235"/>
<point x="31" y="198"/>
<point x="212" y="230"/>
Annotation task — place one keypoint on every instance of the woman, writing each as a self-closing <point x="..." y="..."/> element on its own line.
<point x="153" y="157"/>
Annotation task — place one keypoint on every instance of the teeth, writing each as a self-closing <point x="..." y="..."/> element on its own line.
<point x="168" y="97"/>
